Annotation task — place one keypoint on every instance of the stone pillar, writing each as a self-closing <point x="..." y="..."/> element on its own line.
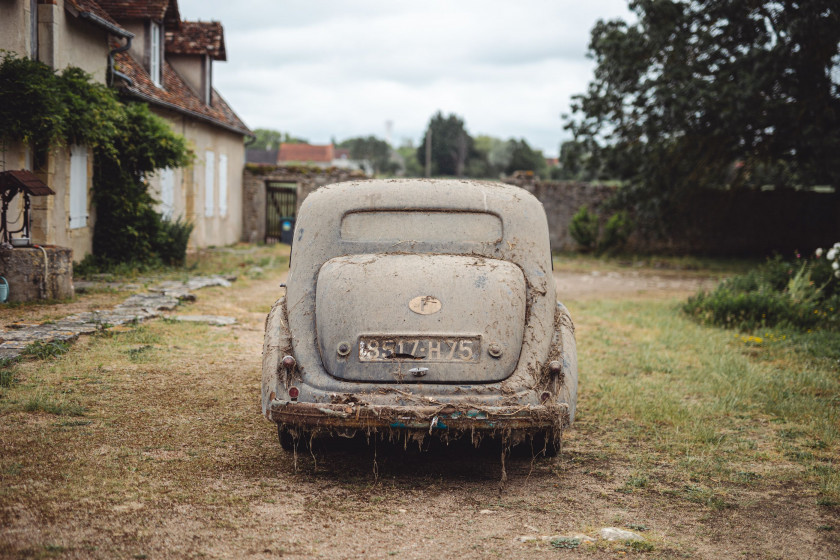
<point x="48" y="40"/>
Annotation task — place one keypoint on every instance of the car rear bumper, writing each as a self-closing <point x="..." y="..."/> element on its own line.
<point x="443" y="418"/>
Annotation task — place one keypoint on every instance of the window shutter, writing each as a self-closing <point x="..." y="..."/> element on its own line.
<point x="167" y="192"/>
<point x="209" y="187"/>
<point x="154" y="54"/>
<point x="223" y="194"/>
<point x="78" y="186"/>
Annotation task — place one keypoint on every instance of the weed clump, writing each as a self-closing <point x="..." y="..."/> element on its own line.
<point x="800" y="294"/>
<point x="46" y="350"/>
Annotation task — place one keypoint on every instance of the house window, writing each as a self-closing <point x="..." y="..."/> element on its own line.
<point x="223" y="185"/>
<point x="167" y="193"/>
<point x="154" y="53"/>
<point x="209" y="180"/>
<point x="78" y="186"/>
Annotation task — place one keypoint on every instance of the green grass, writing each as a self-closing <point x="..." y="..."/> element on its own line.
<point x="45" y="350"/>
<point x="8" y="373"/>
<point x="705" y="402"/>
<point x="51" y="404"/>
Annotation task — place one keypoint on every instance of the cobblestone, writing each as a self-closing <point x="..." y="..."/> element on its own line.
<point x="135" y="309"/>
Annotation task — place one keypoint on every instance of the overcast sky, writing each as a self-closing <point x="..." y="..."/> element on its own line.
<point x="324" y="69"/>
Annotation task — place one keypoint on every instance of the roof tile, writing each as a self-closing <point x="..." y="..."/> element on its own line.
<point x="305" y="153"/>
<point x="177" y="95"/>
<point x="166" y="10"/>
<point x="197" y="37"/>
<point x="82" y="6"/>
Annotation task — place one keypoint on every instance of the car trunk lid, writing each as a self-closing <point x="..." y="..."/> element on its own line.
<point x="395" y="318"/>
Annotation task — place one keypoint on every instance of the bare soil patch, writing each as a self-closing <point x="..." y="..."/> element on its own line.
<point x="593" y="284"/>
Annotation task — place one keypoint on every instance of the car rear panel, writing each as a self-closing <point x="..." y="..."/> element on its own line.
<point x="399" y="318"/>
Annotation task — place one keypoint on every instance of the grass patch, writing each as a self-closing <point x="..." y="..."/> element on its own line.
<point x="565" y="542"/>
<point x="46" y="350"/>
<point x="639" y="546"/>
<point x="698" y="399"/>
<point x="8" y="373"/>
<point x="53" y="405"/>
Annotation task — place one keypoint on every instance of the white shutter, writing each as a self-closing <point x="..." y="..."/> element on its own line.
<point x="154" y="54"/>
<point x="209" y="180"/>
<point x="78" y="186"/>
<point x="167" y="192"/>
<point x="223" y="185"/>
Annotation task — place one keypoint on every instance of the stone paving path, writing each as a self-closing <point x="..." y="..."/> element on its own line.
<point x="137" y="308"/>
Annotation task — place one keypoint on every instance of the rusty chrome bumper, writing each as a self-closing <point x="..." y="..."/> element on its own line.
<point x="309" y="416"/>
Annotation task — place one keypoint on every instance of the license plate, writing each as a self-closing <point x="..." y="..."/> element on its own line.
<point x="422" y="349"/>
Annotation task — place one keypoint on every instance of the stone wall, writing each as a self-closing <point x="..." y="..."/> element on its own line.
<point x="23" y="269"/>
<point x="562" y="199"/>
<point x="306" y="178"/>
<point x="715" y="222"/>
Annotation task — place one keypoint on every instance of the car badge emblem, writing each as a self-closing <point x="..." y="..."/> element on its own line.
<point x="425" y="305"/>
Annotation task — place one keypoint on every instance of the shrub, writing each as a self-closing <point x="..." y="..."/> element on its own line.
<point x="586" y="231"/>
<point x="584" y="228"/>
<point x="171" y="241"/>
<point x="616" y="232"/>
<point x="802" y="294"/>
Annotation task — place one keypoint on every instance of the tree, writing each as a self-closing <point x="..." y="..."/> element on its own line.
<point x="452" y="146"/>
<point x="270" y="139"/>
<point x="524" y="158"/>
<point x="713" y="93"/>
<point x="492" y="156"/>
<point x="372" y="149"/>
<point x="576" y="162"/>
<point x="408" y="153"/>
<point x="128" y="229"/>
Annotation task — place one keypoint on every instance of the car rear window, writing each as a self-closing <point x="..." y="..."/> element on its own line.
<point x="423" y="226"/>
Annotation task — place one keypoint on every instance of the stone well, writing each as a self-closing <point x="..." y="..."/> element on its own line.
<point x="23" y="269"/>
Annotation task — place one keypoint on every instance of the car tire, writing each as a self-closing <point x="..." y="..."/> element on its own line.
<point x="545" y="444"/>
<point x="290" y="441"/>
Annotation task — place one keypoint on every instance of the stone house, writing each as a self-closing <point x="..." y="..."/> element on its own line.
<point x="323" y="156"/>
<point x="143" y="48"/>
<point x="169" y="65"/>
<point x="59" y="33"/>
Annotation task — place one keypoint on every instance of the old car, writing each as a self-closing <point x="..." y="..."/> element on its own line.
<point x="418" y="308"/>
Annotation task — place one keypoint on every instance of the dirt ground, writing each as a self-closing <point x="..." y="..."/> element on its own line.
<point x="192" y="470"/>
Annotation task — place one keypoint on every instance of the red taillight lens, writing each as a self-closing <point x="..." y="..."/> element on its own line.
<point x="293" y="392"/>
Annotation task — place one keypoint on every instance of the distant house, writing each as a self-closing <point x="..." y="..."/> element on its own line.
<point x="320" y="156"/>
<point x="158" y="59"/>
<point x="323" y="156"/>
<point x="169" y="65"/>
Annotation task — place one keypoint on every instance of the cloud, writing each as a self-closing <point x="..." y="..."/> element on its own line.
<point x="322" y="69"/>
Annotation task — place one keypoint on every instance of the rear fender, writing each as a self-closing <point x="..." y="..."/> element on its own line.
<point x="276" y="345"/>
<point x="565" y="333"/>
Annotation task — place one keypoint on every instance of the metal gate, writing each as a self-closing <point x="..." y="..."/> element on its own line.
<point x="281" y="204"/>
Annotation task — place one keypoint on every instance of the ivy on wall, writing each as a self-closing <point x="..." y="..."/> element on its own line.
<point x="46" y="109"/>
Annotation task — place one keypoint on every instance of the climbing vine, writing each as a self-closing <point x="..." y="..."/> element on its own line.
<point x="45" y="109"/>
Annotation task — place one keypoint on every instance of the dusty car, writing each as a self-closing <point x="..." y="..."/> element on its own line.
<point x="417" y="308"/>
